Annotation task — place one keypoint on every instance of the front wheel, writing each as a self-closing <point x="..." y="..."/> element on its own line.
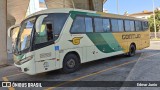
<point x="132" y="51"/>
<point x="70" y="64"/>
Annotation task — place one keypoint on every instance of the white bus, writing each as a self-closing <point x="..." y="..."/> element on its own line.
<point x="65" y="38"/>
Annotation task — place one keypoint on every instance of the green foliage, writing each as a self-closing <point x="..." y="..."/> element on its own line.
<point x="151" y="21"/>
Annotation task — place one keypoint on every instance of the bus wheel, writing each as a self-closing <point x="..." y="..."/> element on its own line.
<point x="71" y="63"/>
<point x="132" y="51"/>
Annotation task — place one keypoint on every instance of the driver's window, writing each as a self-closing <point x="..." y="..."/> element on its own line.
<point x="44" y="31"/>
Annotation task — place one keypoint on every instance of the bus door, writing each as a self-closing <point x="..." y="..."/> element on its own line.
<point x="44" y="47"/>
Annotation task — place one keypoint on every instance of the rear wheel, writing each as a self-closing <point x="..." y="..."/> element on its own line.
<point x="132" y="50"/>
<point x="71" y="63"/>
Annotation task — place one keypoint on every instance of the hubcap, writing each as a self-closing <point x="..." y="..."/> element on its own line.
<point x="71" y="63"/>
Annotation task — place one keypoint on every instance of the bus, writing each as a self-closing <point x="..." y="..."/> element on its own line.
<point x="65" y="38"/>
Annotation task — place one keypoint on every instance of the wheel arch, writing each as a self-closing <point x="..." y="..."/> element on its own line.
<point x="75" y="53"/>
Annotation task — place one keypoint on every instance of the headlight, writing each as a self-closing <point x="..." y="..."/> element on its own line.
<point x="26" y="59"/>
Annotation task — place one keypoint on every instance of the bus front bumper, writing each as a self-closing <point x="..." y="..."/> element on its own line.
<point x="28" y="67"/>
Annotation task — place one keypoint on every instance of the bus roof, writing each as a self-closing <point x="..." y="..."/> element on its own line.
<point x="67" y="10"/>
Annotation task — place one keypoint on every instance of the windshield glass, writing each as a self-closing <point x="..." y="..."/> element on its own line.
<point x="24" y="36"/>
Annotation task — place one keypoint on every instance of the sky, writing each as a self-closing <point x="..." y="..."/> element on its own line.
<point x="131" y="6"/>
<point x="41" y="0"/>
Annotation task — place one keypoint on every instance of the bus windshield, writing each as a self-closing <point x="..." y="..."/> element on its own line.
<point x="24" y="37"/>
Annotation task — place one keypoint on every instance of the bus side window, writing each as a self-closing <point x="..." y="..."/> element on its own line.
<point x="88" y="23"/>
<point x="127" y="25"/>
<point x="78" y="25"/>
<point x="41" y="35"/>
<point x="120" y="25"/>
<point x="138" y="25"/>
<point x="106" y="25"/>
<point x="45" y="34"/>
<point x="98" y="22"/>
<point x="114" y="23"/>
<point x="145" y="25"/>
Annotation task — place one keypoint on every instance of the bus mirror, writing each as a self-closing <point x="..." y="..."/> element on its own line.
<point x="39" y="22"/>
<point x="10" y="30"/>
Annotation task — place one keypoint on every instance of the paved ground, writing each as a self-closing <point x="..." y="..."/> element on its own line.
<point x="142" y="67"/>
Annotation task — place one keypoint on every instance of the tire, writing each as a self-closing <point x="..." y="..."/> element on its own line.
<point x="71" y="63"/>
<point x="132" y="51"/>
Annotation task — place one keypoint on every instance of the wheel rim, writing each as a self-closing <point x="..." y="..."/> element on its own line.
<point x="71" y="63"/>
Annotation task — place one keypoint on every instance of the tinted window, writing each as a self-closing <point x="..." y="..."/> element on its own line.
<point x="58" y="22"/>
<point x="78" y="25"/>
<point x="127" y="26"/>
<point x="88" y="22"/>
<point x="98" y="22"/>
<point x="138" y="25"/>
<point x="132" y="25"/>
<point x="114" y="23"/>
<point x="120" y="25"/>
<point x="145" y="25"/>
<point x="45" y="32"/>
<point x="106" y="25"/>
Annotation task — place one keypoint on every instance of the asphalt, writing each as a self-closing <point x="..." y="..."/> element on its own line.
<point x="144" y="66"/>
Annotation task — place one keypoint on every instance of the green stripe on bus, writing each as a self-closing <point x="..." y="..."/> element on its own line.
<point x="74" y="13"/>
<point x="105" y="42"/>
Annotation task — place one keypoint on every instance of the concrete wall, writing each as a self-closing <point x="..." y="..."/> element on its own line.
<point x="59" y="3"/>
<point x="17" y="9"/>
<point x="96" y="5"/>
<point x="83" y="4"/>
<point x="3" y="33"/>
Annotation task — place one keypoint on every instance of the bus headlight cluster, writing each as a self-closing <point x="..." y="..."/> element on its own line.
<point x="26" y="59"/>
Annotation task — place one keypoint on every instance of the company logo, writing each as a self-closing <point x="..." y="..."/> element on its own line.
<point x="6" y="84"/>
<point x="76" y="40"/>
<point x="131" y="36"/>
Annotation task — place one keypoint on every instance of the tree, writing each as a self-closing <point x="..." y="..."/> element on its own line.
<point x="151" y="21"/>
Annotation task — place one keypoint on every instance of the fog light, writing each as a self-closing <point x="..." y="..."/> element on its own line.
<point x="26" y="69"/>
